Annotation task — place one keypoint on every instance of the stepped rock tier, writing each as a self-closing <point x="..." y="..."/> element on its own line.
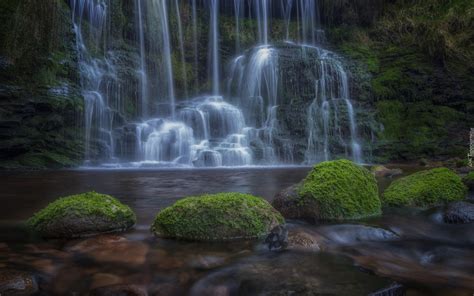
<point x="276" y="102"/>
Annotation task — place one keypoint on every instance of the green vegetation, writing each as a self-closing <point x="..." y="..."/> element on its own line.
<point x="425" y="189"/>
<point x="81" y="215"/>
<point x="419" y="55"/>
<point x="217" y="217"/>
<point x="342" y="189"/>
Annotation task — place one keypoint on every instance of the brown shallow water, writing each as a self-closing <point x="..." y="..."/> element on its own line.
<point x="429" y="257"/>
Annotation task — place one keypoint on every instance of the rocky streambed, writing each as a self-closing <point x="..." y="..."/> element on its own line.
<point x="415" y="248"/>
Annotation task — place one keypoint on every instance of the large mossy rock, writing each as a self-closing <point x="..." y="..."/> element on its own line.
<point x="425" y="189"/>
<point x="333" y="190"/>
<point x="82" y="215"/>
<point x="217" y="217"/>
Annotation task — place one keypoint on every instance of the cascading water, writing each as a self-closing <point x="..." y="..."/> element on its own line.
<point x="181" y="49"/>
<point x="323" y="123"/>
<point x="214" y="45"/>
<point x="284" y="103"/>
<point x="238" y="10"/>
<point x="96" y="74"/>
<point x="143" y="67"/>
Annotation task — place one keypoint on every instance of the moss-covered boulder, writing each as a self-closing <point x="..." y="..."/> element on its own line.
<point x="333" y="190"/>
<point x="425" y="189"/>
<point x="217" y="217"/>
<point x="468" y="180"/>
<point x="82" y="215"/>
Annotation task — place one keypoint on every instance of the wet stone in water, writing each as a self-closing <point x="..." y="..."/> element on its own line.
<point x="13" y="282"/>
<point x="119" y="290"/>
<point x="459" y="212"/>
<point x="277" y="239"/>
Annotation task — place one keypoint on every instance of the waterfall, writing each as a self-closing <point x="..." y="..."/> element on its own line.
<point x="257" y="85"/>
<point x="214" y="45"/>
<point x="143" y="69"/>
<point x="330" y="90"/>
<point x="281" y="101"/>
<point x="93" y="70"/>
<point x="165" y="50"/>
<point x="195" y="42"/>
<point x="261" y="10"/>
<point x="166" y="141"/>
<point x="287" y="6"/>
<point x="237" y="12"/>
<point x="308" y="21"/>
<point x="181" y="49"/>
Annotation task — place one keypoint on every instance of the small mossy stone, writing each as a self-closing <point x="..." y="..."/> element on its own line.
<point x="342" y="189"/>
<point x="217" y="217"/>
<point x="82" y="215"/>
<point x="425" y="189"/>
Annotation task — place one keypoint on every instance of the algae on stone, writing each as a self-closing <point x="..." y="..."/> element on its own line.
<point x="342" y="190"/>
<point x="82" y="215"/>
<point x="425" y="189"/>
<point x="217" y="217"/>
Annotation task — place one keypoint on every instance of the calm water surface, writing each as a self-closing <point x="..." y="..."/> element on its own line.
<point x="145" y="191"/>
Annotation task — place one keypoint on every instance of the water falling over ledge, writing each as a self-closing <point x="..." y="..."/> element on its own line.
<point x="278" y="103"/>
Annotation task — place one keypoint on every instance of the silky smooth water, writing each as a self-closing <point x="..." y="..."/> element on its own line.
<point x="253" y="86"/>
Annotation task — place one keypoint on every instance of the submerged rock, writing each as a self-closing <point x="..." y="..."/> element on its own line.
<point x="82" y="215"/>
<point x="383" y="172"/>
<point x="111" y="249"/>
<point x="217" y="217"/>
<point x="333" y="190"/>
<point x="348" y="234"/>
<point x="289" y="273"/>
<point x="13" y="282"/>
<point x="459" y="212"/>
<point x="425" y="189"/>
<point x="300" y="240"/>
<point x="395" y="289"/>
<point x="119" y="290"/>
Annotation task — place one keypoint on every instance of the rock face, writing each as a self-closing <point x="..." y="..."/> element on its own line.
<point x="14" y="282"/>
<point x="218" y="217"/>
<point x="40" y="100"/>
<point x="469" y="180"/>
<point x="459" y="212"/>
<point x="333" y="190"/>
<point x="82" y="215"/>
<point x="425" y="189"/>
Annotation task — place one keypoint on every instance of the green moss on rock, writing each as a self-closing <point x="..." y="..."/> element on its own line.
<point x="342" y="190"/>
<point x="425" y="189"/>
<point x="217" y="217"/>
<point x="82" y="215"/>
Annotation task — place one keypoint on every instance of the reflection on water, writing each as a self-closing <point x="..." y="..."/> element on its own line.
<point x="412" y="247"/>
<point x="145" y="191"/>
